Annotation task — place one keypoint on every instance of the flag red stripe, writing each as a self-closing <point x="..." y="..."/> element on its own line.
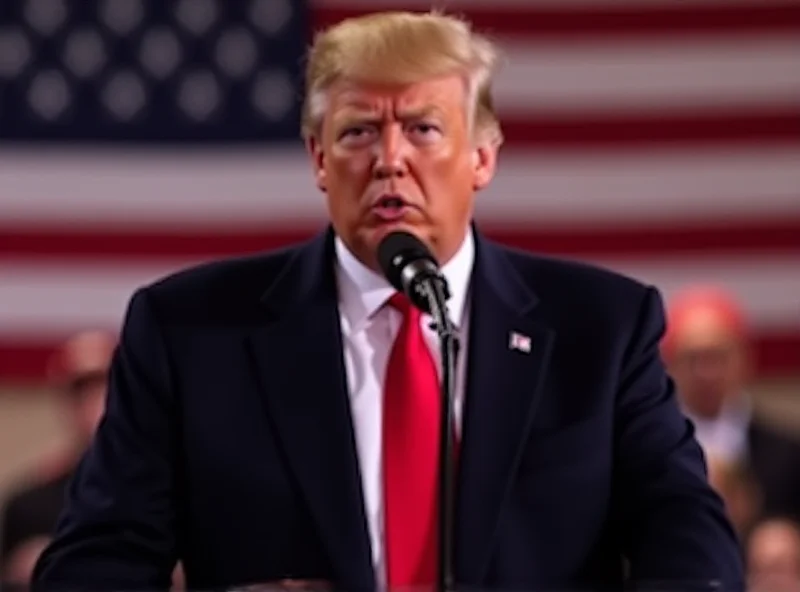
<point x="613" y="22"/>
<point x="25" y="360"/>
<point x="750" y="237"/>
<point x="548" y="131"/>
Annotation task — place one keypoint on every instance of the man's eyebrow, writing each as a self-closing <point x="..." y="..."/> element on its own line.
<point x="363" y="115"/>
<point x="353" y="115"/>
<point x="420" y="112"/>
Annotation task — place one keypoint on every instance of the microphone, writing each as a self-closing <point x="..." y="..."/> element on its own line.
<point x="411" y="268"/>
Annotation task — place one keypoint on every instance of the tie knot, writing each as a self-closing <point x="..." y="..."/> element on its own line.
<point x="402" y="303"/>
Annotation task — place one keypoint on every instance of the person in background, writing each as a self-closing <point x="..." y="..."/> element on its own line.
<point x="78" y="370"/>
<point x="773" y="556"/>
<point x="736" y="485"/>
<point x="707" y="351"/>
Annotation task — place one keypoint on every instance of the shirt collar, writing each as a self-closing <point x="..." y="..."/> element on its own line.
<point x="736" y="413"/>
<point x="362" y="292"/>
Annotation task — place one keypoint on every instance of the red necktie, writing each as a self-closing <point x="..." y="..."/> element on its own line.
<point x="411" y="416"/>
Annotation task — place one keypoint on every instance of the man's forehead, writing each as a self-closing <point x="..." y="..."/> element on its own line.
<point x="704" y="326"/>
<point x="424" y="96"/>
<point x="86" y="352"/>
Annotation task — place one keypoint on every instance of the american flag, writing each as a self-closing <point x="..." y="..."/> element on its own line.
<point x="660" y="138"/>
<point x="519" y="342"/>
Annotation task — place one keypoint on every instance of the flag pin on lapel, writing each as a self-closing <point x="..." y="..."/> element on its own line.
<point x="519" y="342"/>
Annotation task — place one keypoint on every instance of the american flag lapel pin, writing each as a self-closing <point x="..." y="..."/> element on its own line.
<point x="519" y="342"/>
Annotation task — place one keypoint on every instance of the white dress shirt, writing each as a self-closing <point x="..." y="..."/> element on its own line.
<point x="726" y="436"/>
<point x="369" y="329"/>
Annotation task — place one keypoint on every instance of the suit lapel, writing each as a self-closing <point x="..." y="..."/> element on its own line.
<point x="298" y="356"/>
<point x="503" y="390"/>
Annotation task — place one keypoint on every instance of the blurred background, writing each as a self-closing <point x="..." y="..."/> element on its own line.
<point x="660" y="138"/>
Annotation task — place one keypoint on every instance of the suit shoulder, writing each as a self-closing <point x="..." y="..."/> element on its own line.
<point x="544" y="272"/>
<point x="218" y="285"/>
<point x="580" y="299"/>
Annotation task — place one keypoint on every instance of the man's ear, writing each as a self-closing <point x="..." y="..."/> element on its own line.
<point x="484" y="163"/>
<point x="317" y="154"/>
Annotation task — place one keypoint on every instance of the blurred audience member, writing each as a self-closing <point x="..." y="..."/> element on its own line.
<point x="707" y="351"/>
<point x="79" y="371"/>
<point x="736" y="486"/>
<point x="773" y="557"/>
<point x="17" y="569"/>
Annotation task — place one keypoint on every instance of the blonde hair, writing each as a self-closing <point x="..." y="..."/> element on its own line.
<point x="402" y="48"/>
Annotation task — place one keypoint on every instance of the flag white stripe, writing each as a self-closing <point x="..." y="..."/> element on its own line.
<point x="767" y="286"/>
<point x="249" y="187"/>
<point x="44" y="298"/>
<point x="647" y="75"/>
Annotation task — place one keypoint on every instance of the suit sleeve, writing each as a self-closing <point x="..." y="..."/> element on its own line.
<point x="117" y="529"/>
<point x="675" y="526"/>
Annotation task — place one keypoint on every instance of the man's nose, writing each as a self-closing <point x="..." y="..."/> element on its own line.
<point x="391" y="153"/>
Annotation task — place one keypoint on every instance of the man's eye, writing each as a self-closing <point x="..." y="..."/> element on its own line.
<point x="354" y="132"/>
<point x="425" y="130"/>
<point x="356" y="135"/>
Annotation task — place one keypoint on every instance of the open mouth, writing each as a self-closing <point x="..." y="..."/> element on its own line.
<point x="391" y="207"/>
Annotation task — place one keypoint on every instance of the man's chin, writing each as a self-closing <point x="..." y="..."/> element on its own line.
<point x="381" y="230"/>
<point x="369" y="238"/>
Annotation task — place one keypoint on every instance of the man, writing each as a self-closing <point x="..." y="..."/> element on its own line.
<point x="707" y="352"/>
<point x="258" y="426"/>
<point x="773" y="556"/>
<point x="78" y="370"/>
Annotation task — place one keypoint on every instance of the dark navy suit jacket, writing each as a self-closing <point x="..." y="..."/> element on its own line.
<point x="228" y="442"/>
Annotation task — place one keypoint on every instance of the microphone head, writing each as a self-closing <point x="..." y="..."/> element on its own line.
<point x="396" y="251"/>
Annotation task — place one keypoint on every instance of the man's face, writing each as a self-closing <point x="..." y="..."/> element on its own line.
<point x="84" y="361"/>
<point x="400" y="158"/>
<point x="88" y="395"/>
<point x="708" y="362"/>
<point x="774" y="557"/>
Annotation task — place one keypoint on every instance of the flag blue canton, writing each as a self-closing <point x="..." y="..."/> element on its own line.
<point x="151" y="71"/>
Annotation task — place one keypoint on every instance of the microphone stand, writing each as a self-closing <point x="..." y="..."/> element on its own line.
<point x="436" y="293"/>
